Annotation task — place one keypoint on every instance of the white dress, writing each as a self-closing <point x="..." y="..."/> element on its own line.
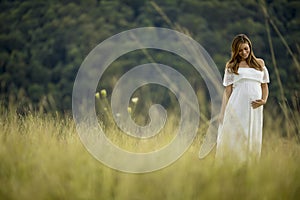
<point x="240" y="134"/>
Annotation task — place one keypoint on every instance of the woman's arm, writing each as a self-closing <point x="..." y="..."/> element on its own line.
<point x="264" y="96"/>
<point x="226" y="95"/>
<point x="264" y="89"/>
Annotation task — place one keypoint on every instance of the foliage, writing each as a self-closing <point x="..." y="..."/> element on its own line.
<point x="43" y="43"/>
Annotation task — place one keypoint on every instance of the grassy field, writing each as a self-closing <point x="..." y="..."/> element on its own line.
<point x="41" y="157"/>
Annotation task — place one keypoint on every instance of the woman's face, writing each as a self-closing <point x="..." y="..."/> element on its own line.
<point x="244" y="51"/>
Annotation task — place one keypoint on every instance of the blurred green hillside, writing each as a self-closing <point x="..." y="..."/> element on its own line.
<point x="43" y="43"/>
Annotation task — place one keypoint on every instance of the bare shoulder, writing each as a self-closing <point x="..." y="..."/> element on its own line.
<point x="261" y="61"/>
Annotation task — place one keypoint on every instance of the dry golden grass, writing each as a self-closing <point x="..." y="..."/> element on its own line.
<point x="42" y="158"/>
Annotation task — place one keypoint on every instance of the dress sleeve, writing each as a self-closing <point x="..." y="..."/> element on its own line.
<point x="228" y="78"/>
<point x="266" y="78"/>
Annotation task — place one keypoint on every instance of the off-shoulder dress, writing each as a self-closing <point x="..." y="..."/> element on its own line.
<point x="240" y="134"/>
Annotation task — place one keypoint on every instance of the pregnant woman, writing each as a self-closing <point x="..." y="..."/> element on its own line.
<point x="246" y="81"/>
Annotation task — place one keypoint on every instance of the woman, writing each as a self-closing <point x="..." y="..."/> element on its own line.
<point x="241" y="118"/>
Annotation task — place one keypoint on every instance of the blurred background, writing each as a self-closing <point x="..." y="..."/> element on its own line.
<point x="43" y="43"/>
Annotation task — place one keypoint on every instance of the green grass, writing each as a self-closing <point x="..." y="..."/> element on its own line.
<point x="41" y="157"/>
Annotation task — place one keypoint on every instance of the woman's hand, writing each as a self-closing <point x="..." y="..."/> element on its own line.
<point x="257" y="103"/>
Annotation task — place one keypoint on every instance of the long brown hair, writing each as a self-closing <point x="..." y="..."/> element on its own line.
<point x="233" y="64"/>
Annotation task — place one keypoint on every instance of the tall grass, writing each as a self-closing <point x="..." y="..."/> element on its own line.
<point x="41" y="157"/>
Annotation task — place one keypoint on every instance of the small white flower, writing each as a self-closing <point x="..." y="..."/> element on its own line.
<point x="134" y="100"/>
